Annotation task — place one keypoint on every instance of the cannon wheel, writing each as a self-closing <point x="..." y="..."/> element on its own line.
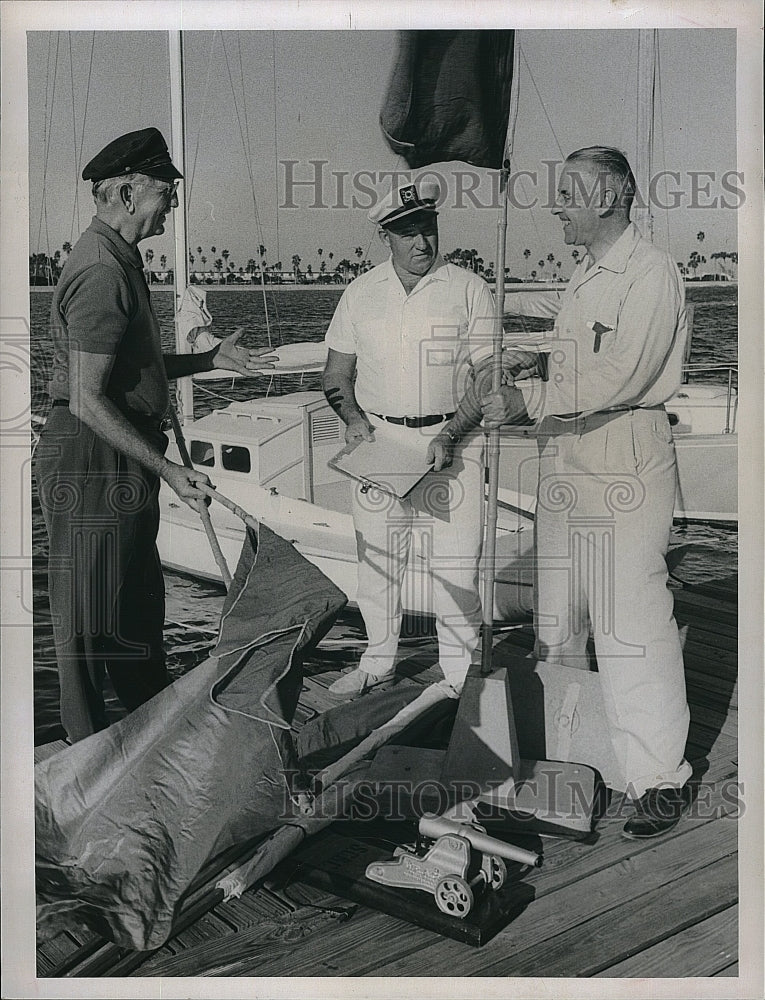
<point x="454" y="896"/>
<point x="497" y="871"/>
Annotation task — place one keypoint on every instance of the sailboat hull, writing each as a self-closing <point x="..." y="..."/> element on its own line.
<point x="326" y="539"/>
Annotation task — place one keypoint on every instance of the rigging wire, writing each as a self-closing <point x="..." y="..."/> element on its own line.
<point x="78" y="152"/>
<point x="76" y="204"/>
<point x="276" y="147"/>
<point x="541" y="102"/>
<point x="248" y="157"/>
<point x="201" y="117"/>
<point x="48" y="134"/>
<point x="248" y="163"/>
<point x="660" y="106"/>
<point x="511" y="141"/>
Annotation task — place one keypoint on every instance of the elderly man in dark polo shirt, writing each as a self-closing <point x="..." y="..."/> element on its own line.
<point x="101" y="454"/>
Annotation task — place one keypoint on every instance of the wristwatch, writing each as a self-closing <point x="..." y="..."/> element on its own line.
<point x="453" y="436"/>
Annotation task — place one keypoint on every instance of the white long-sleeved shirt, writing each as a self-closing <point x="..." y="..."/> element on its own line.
<point x="413" y="352"/>
<point x="636" y="293"/>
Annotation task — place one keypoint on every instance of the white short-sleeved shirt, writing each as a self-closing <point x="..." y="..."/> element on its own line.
<point x="413" y="352"/>
<point x="620" y="332"/>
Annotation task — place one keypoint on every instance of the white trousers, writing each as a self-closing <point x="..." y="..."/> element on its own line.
<point x="604" y="513"/>
<point x="439" y="525"/>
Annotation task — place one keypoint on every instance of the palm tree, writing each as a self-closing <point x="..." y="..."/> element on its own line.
<point x="526" y="255"/>
<point x="296" y="267"/>
<point x="533" y="275"/>
<point x="204" y="261"/>
<point x="149" y="256"/>
<point x="213" y="251"/>
<point x="219" y="268"/>
<point x="225" y="254"/>
<point x="700" y="235"/>
<point x="67" y="248"/>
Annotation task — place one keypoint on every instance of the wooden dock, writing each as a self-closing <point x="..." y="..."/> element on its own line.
<point x="600" y="907"/>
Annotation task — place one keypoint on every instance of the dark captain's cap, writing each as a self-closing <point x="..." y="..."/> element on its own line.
<point x="141" y="152"/>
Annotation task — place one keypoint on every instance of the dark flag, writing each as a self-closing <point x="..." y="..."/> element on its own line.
<point x="449" y="97"/>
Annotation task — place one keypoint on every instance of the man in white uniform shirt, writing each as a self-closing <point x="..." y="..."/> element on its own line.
<point x="608" y="477"/>
<point x="402" y="344"/>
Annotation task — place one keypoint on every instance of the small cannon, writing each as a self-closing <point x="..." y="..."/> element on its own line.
<point x="452" y="861"/>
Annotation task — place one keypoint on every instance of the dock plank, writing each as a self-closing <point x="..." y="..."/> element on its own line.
<point x="605" y="908"/>
<point x="707" y="947"/>
<point x="579" y="893"/>
<point x="660" y="914"/>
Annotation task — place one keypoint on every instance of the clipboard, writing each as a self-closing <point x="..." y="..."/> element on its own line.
<point x="385" y="463"/>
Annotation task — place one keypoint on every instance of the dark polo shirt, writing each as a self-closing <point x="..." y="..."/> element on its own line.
<point x="102" y="305"/>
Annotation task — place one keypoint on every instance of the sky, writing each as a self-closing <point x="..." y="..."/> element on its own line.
<point x="266" y="105"/>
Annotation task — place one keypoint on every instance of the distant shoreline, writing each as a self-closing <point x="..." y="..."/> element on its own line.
<point x="528" y="286"/>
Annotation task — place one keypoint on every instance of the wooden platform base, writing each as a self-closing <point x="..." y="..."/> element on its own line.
<point x="336" y="861"/>
<point x="602" y="906"/>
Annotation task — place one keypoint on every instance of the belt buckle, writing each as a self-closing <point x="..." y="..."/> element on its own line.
<point x="411" y="422"/>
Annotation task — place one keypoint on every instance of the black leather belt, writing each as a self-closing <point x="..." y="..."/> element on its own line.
<point x="429" y="421"/>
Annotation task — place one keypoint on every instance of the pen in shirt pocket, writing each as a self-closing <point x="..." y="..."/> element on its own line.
<point x="598" y="329"/>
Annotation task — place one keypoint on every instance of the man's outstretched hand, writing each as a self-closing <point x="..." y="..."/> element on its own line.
<point x="231" y="356"/>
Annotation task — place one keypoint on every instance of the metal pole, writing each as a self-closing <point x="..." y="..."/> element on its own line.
<point x="492" y="460"/>
<point x="181" y="273"/>
<point x="728" y="406"/>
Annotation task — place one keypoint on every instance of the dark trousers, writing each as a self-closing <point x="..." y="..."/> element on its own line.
<point x="106" y="588"/>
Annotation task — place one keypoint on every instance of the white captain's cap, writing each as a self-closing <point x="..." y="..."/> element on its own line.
<point x="419" y="196"/>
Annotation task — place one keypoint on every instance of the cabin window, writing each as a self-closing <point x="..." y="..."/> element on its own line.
<point x="202" y="453"/>
<point x="235" y="458"/>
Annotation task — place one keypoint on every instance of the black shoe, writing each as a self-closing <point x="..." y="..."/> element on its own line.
<point x="656" y="812"/>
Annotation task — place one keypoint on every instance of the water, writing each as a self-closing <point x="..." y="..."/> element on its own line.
<point x="193" y="606"/>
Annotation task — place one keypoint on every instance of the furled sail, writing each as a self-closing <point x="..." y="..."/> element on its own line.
<point x="126" y="818"/>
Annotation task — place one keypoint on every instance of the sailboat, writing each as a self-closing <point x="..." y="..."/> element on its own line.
<point x="270" y="455"/>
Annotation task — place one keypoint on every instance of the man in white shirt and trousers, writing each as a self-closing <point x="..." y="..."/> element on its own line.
<point x="402" y="345"/>
<point x="607" y="478"/>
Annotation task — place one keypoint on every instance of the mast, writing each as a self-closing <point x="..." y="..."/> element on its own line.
<point x="181" y="270"/>
<point x="648" y="43"/>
